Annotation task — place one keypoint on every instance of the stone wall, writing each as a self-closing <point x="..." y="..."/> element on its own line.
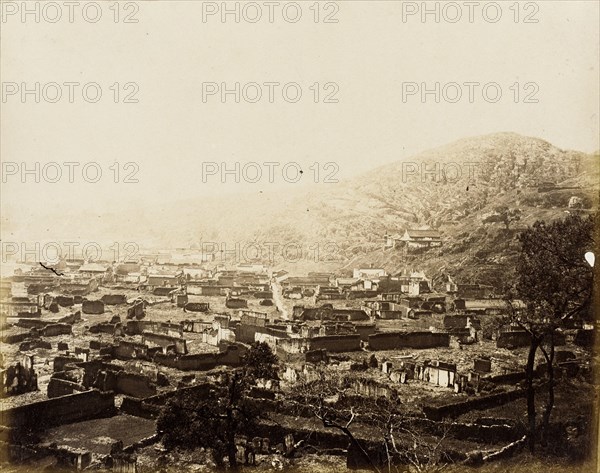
<point x="399" y="340"/>
<point x="203" y="362"/>
<point x="92" y="307"/>
<point x="60" y="410"/>
<point x="105" y="327"/>
<point x="70" y="319"/>
<point x="513" y="339"/>
<point x="65" y="301"/>
<point x="364" y="330"/>
<point x="165" y="341"/>
<point x="54" y="330"/>
<point x="483" y="402"/>
<point x="61" y="387"/>
<point x="136" y="310"/>
<point x="246" y="333"/>
<point x="197" y="307"/>
<point x="114" y="299"/>
<point x="128" y="350"/>
<point x="134" y="385"/>
<point x="335" y="343"/>
<point x="61" y="361"/>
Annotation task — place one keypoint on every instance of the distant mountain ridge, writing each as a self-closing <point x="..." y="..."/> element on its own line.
<point x="347" y="221"/>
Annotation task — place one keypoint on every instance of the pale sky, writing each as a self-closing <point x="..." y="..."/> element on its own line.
<point x="369" y="53"/>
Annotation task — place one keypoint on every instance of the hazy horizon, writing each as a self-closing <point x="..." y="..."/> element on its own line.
<point x="175" y="127"/>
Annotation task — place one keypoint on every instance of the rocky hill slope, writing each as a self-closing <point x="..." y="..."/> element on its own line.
<point x="458" y="189"/>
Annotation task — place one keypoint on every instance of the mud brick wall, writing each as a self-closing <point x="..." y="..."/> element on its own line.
<point x="384" y="341"/>
<point x="336" y="343"/>
<point x="105" y="327"/>
<point x="136" y="310"/>
<point x="106" y="351"/>
<point x="198" y="390"/>
<point x="128" y="350"/>
<point x="456" y="321"/>
<point x="364" y="330"/>
<point x="211" y="290"/>
<point x="137" y="327"/>
<point x="311" y="356"/>
<point x="198" y="362"/>
<point x="293" y="345"/>
<point x="246" y="333"/>
<point x="93" y="367"/>
<point x="483" y="402"/>
<point x="15" y="337"/>
<point x="289" y="357"/>
<point x="61" y="361"/>
<point x="182" y="300"/>
<point x="65" y="301"/>
<point x="197" y="306"/>
<point x="513" y="339"/>
<point x="424" y="340"/>
<point x="71" y="318"/>
<point x="32" y="323"/>
<point x="471" y="432"/>
<point x="203" y="362"/>
<point x="60" y="410"/>
<point x="507" y="378"/>
<point x="349" y="314"/>
<point x="114" y="299"/>
<point x="395" y="340"/>
<point x="315" y="356"/>
<point x="235" y="303"/>
<point x="231" y="356"/>
<point x="92" y="307"/>
<point x="166" y="360"/>
<point x="33" y="344"/>
<point x="482" y="365"/>
<point x="137" y="407"/>
<point x="163" y="328"/>
<point x="165" y="341"/>
<point x="372" y="389"/>
<point x="61" y="387"/>
<point x="54" y="330"/>
<point x="134" y="327"/>
<point x="134" y="385"/>
<point x="163" y="291"/>
<point x="318" y="438"/>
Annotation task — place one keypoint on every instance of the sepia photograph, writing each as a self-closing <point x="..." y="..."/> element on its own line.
<point x="303" y="236"/>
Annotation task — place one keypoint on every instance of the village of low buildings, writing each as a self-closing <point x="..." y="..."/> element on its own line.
<point x="93" y="350"/>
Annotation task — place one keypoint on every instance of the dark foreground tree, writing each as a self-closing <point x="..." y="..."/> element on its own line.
<point x="212" y="420"/>
<point x="215" y="417"/>
<point x="260" y="361"/>
<point x="555" y="282"/>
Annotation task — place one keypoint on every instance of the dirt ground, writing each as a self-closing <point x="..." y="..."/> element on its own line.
<point x="98" y="435"/>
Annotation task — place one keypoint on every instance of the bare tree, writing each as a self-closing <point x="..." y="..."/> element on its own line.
<point x="398" y="445"/>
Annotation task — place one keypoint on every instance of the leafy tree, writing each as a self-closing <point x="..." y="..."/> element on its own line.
<point x="212" y="421"/>
<point x="555" y="282"/>
<point x="260" y="361"/>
